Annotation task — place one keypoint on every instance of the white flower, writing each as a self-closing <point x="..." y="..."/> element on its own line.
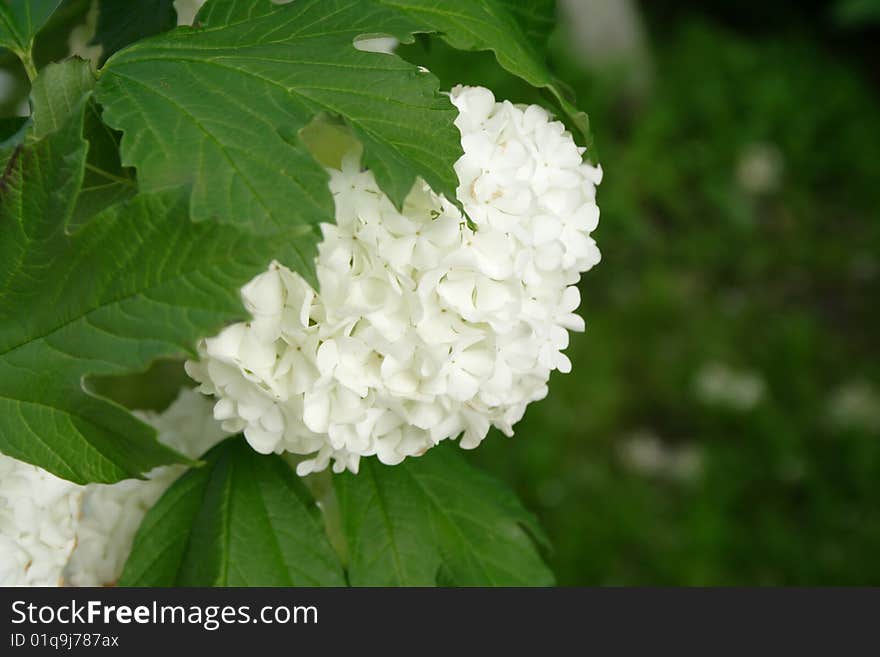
<point x="717" y="384"/>
<point x="855" y="405"/>
<point x="53" y="531"/>
<point x="429" y="325"/>
<point x="37" y="524"/>
<point x="644" y="452"/>
<point x="760" y="168"/>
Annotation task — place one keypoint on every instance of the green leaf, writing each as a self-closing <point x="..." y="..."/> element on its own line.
<point x="243" y="519"/>
<point x="536" y="17"/>
<point x="506" y="28"/>
<point x="106" y="181"/>
<point x="136" y="283"/>
<point x="226" y="12"/>
<point x="437" y="520"/>
<point x="20" y="20"/>
<point x="121" y="22"/>
<point x="57" y="92"/>
<point x="218" y="109"/>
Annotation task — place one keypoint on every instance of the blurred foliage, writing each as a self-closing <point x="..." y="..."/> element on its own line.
<point x="740" y="226"/>
<point x="857" y="12"/>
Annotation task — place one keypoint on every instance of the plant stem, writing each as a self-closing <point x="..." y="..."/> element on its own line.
<point x="321" y="486"/>
<point x="29" y="67"/>
<point x="110" y="176"/>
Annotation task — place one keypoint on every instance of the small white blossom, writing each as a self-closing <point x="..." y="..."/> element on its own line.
<point x="760" y="168"/>
<point x="428" y="326"/>
<point x="644" y="452"/>
<point x="855" y="405"/>
<point x="717" y="384"/>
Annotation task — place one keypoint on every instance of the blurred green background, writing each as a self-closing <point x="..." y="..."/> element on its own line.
<point x="722" y="422"/>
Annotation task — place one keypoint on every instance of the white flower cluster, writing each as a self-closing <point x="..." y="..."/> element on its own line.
<point x="37" y="524"/>
<point x="53" y="531"/>
<point x="429" y="325"/>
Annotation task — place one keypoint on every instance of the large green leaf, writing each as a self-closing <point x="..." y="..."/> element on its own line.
<point x="106" y="181"/>
<point x="507" y="28"/>
<point x="226" y="12"/>
<point x="218" y="109"/>
<point x="436" y="520"/>
<point x="536" y="17"/>
<point x="121" y="22"/>
<point x="243" y="519"/>
<point x="58" y="92"/>
<point x="20" y="20"/>
<point x="135" y="283"/>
